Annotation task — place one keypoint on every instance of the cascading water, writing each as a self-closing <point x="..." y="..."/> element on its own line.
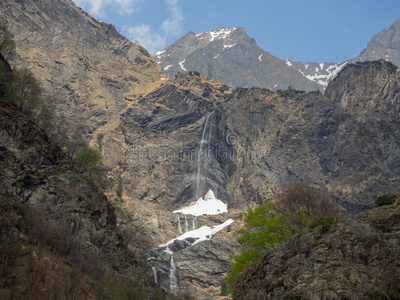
<point x="186" y="224"/>
<point x="155" y="274"/>
<point x="173" y="280"/>
<point x="204" y="143"/>
<point x="179" y="225"/>
<point x="194" y="223"/>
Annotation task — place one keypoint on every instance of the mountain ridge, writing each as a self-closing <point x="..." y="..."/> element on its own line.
<point x="274" y="75"/>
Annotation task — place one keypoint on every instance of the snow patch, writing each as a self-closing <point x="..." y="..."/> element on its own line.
<point x="210" y="205"/>
<point x="181" y="65"/>
<point x="288" y="63"/>
<point x="327" y="75"/>
<point x="222" y="33"/>
<point x="259" y="58"/>
<point x="167" y="67"/>
<point x="201" y="234"/>
<point x="158" y="53"/>
<point x="275" y="86"/>
<point x="229" y="46"/>
<point x="216" y="56"/>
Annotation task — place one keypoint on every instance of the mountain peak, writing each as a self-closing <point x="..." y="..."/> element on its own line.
<point x="220" y="33"/>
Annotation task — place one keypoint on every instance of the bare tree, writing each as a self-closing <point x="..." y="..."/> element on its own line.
<point x="301" y="204"/>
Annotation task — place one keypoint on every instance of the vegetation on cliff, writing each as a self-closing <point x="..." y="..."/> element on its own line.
<point x="356" y="259"/>
<point x="294" y="211"/>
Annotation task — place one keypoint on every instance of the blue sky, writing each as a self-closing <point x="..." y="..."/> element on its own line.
<point x="305" y="30"/>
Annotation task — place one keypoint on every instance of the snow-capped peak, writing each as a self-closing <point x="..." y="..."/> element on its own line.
<point x="217" y="34"/>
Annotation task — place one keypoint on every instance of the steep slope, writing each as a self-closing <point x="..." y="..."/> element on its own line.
<point x="232" y="57"/>
<point x="368" y="90"/>
<point x="86" y="67"/>
<point x="388" y="40"/>
<point x="52" y="209"/>
<point x="353" y="260"/>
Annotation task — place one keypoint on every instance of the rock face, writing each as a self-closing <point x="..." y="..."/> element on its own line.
<point x="388" y="40"/>
<point x="369" y="90"/>
<point x="232" y="57"/>
<point x="353" y="260"/>
<point x="38" y="177"/>
<point x="36" y="171"/>
<point x="86" y="67"/>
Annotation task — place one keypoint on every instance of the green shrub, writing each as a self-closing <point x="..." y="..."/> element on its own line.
<point x="7" y="44"/>
<point x="24" y="251"/>
<point x="223" y="88"/>
<point x="263" y="230"/>
<point x="325" y="223"/>
<point x="295" y="210"/>
<point x="292" y="296"/>
<point x="22" y="90"/>
<point x="100" y="138"/>
<point x="91" y="160"/>
<point x="385" y="200"/>
<point x="119" y="188"/>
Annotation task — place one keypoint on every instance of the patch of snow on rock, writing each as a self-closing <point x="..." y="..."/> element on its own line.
<point x="259" y="58"/>
<point x="159" y="52"/>
<point x="201" y="234"/>
<point x="167" y="67"/>
<point x="210" y="205"/>
<point x="181" y="65"/>
<point x="221" y="33"/>
<point x="288" y="63"/>
<point x="327" y="75"/>
<point x="229" y="46"/>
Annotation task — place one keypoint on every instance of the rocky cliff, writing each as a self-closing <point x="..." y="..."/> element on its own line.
<point x="89" y="71"/>
<point x="352" y="260"/>
<point x="368" y="90"/>
<point x="59" y="236"/>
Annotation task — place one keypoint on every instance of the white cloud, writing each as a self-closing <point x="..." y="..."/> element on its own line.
<point x="174" y="23"/>
<point x="142" y="35"/>
<point x="153" y="41"/>
<point x="98" y="7"/>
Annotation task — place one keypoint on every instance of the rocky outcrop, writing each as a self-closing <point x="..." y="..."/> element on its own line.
<point x="90" y="72"/>
<point x="353" y="260"/>
<point x="368" y="90"/>
<point x="47" y="199"/>
<point x="36" y="171"/>
<point x="388" y="40"/>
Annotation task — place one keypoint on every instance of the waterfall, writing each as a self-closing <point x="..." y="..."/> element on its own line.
<point x="194" y="223"/>
<point x="179" y="225"/>
<point x="154" y="274"/>
<point x="205" y="141"/>
<point x="186" y="224"/>
<point x="173" y="284"/>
